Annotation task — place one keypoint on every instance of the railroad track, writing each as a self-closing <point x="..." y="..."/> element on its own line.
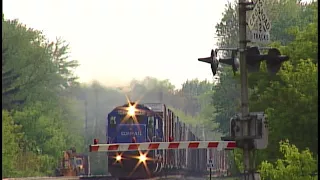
<point x="105" y="177"/>
<point x="43" y="178"/>
<point x="169" y="177"/>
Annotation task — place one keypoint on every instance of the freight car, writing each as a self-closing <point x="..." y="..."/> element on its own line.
<point x="151" y="122"/>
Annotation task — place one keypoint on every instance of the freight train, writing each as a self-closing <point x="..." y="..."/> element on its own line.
<point x="154" y="122"/>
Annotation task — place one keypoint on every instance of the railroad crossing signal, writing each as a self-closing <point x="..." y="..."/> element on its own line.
<point x="251" y="56"/>
<point x="212" y="60"/>
<point x="260" y="19"/>
<point x="253" y="59"/>
<point x="274" y="59"/>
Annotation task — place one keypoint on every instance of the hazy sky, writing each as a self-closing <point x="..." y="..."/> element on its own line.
<point x="117" y="40"/>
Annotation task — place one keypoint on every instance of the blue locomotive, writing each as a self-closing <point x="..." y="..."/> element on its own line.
<point x="151" y="122"/>
<point x="134" y="123"/>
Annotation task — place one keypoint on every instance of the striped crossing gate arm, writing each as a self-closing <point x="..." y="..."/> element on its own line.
<point x="219" y="145"/>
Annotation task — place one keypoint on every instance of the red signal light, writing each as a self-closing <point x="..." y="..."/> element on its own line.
<point x="95" y="141"/>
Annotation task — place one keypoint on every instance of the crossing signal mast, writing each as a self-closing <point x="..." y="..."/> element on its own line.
<point x="249" y="129"/>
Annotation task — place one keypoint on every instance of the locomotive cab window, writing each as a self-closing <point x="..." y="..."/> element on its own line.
<point x="150" y="126"/>
<point x="157" y="123"/>
<point x="113" y="120"/>
<point x="151" y="122"/>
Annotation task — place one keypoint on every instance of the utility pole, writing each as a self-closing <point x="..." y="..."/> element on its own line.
<point x="244" y="85"/>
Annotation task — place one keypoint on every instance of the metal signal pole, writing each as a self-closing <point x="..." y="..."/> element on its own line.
<point x="244" y="89"/>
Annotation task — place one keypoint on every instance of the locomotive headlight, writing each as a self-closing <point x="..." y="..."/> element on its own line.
<point x="131" y="110"/>
<point x="142" y="158"/>
<point x="118" y="158"/>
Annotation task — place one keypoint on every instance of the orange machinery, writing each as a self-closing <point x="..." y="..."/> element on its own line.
<point x="73" y="164"/>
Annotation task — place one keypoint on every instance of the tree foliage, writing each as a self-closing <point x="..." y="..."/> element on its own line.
<point x="38" y="109"/>
<point x="10" y="143"/>
<point x="290" y="97"/>
<point x="295" y="165"/>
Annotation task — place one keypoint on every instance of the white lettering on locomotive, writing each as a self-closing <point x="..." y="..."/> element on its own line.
<point x="137" y="133"/>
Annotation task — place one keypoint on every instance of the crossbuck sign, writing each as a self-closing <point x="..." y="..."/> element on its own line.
<point x="260" y="19"/>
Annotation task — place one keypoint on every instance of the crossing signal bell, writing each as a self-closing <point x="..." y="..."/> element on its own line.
<point x="212" y="60"/>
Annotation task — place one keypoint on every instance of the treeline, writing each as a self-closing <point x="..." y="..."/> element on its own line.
<point x="39" y="113"/>
<point x="45" y="110"/>
<point x="289" y="98"/>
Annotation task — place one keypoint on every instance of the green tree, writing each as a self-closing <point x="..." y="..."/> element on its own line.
<point x="227" y="28"/>
<point x="294" y="166"/>
<point x="195" y="87"/>
<point x="37" y="83"/>
<point x="11" y="136"/>
<point x="225" y="100"/>
<point x="289" y="98"/>
<point x="292" y="106"/>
